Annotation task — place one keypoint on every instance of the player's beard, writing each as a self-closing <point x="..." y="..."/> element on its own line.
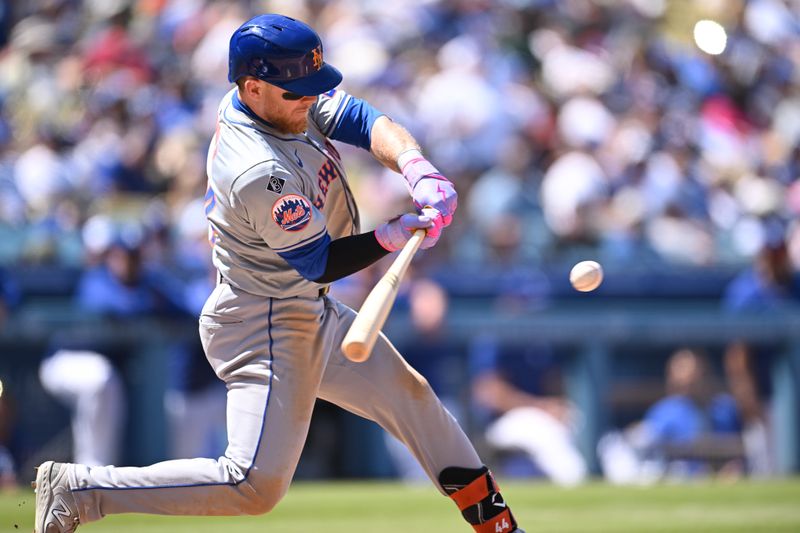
<point x="300" y="125"/>
<point x="293" y="123"/>
<point x="294" y="126"/>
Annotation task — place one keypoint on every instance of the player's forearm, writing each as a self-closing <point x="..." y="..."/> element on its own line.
<point x="394" y="146"/>
<point x="350" y="254"/>
<point x="389" y="140"/>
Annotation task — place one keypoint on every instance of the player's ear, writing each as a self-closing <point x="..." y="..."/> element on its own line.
<point x="251" y="87"/>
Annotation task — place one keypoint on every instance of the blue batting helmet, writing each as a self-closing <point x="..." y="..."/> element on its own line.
<point x="281" y="51"/>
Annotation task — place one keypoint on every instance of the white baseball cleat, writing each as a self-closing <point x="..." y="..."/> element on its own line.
<point x="56" y="511"/>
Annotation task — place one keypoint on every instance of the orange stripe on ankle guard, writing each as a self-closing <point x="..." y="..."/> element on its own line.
<point x="475" y="492"/>
<point x="502" y="523"/>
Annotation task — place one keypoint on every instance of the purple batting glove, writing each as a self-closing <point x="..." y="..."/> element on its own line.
<point x="434" y="231"/>
<point x="393" y="235"/>
<point x="428" y="187"/>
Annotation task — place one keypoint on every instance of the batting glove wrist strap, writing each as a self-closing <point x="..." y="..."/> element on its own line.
<point x="414" y="167"/>
<point x="427" y="186"/>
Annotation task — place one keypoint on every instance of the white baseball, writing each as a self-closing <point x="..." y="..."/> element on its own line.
<point x="586" y="276"/>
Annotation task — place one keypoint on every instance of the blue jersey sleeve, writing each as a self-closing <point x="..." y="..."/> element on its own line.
<point x="346" y="118"/>
<point x="310" y="259"/>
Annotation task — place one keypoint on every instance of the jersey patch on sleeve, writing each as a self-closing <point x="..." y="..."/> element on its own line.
<point x="276" y="184"/>
<point x="291" y="212"/>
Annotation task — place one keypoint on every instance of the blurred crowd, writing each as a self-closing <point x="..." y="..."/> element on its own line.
<point x="567" y="125"/>
<point x="593" y="128"/>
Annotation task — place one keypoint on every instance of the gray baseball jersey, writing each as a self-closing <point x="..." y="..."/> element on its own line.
<point x="274" y="202"/>
<point x="285" y="191"/>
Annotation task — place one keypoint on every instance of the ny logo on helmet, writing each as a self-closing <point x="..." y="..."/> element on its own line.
<point x="317" y="58"/>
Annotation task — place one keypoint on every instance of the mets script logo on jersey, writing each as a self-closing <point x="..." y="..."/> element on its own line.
<point x="291" y="212"/>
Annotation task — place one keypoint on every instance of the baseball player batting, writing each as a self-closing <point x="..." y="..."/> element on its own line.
<point x="284" y="225"/>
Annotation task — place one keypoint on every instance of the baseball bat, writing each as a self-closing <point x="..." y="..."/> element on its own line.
<point x="360" y="338"/>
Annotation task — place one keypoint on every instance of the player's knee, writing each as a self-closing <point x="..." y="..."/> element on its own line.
<point x="265" y="495"/>
<point x="417" y="386"/>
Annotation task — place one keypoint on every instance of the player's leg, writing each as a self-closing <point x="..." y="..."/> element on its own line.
<point x="272" y="367"/>
<point x="389" y="391"/>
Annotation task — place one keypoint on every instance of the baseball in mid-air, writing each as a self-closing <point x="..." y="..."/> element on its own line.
<point x="586" y="276"/>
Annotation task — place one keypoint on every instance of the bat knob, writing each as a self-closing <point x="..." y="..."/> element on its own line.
<point x="355" y="351"/>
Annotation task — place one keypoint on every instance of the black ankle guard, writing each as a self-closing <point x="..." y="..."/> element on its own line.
<point x="478" y="497"/>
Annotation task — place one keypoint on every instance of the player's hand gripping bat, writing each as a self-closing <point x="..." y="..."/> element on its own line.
<point x="360" y="339"/>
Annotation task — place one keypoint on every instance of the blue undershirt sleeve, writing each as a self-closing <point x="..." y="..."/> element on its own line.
<point x="310" y="259"/>
<point x="355" y="123"/>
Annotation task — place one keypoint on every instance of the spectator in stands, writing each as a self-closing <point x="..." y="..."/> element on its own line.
<point x="116" y="286"/>
<point x="643" y="150"/>
<point x="667" y="145"/>
<point x="431" y="352"/>
<point x="9" y="295"/>
<point x="744" y="376"/>
<point x="195" y="398"/>
<point x="769" y="285"/>
<point x="8" y="476"/>
<point x="85" y="376"/>
<point x="518" y="394"/>
<point x="681" y="434"/>
<point x="8" y="470"/>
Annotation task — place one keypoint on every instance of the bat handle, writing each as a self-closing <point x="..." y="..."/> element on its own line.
<point x="360" y="338"/>
<point x="400" y="265"/>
